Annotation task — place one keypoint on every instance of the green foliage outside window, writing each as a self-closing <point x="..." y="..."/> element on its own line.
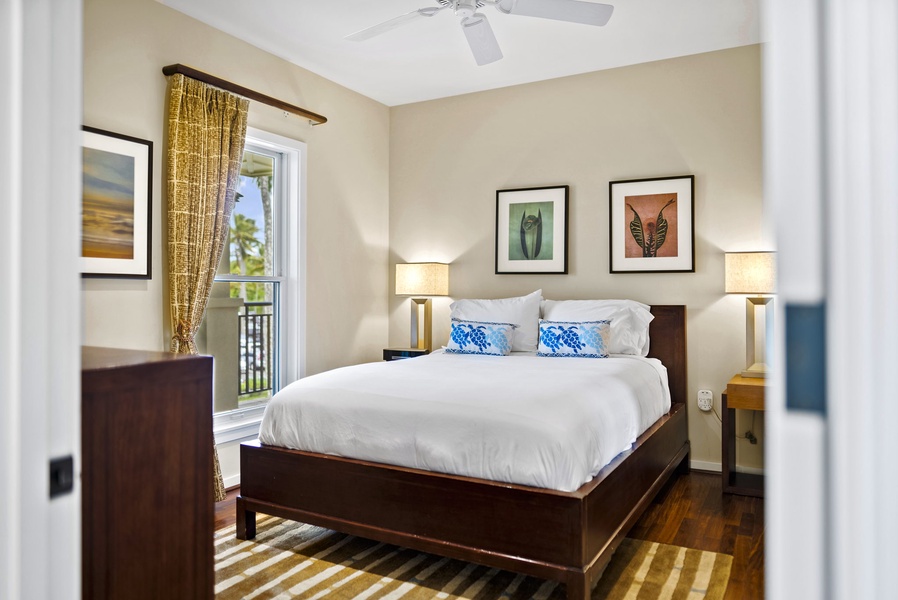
<point x="250" y="255"/>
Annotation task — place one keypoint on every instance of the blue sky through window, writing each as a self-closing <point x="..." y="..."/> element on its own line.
<point x="250" y="204"/>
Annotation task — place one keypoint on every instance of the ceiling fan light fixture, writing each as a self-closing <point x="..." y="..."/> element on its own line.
<point x="481" y="39"/>
<point x="465" y="8"/>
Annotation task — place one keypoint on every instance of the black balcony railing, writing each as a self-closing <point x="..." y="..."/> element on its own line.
<point x="256" y="349"/>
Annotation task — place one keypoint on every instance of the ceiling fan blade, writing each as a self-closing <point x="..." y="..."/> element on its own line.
<point x="481" y="39"/>
<point x="574" y="11"/>
<point x="393" y="23"/>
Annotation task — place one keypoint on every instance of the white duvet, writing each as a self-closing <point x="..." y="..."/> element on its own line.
<point x="544" y="422"/>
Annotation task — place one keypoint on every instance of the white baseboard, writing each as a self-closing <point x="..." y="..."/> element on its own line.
<point x="700" y="465"/>
<point x="232" y="481"/>
<point x="229" y="459"/>
<point x="751" y="470"/>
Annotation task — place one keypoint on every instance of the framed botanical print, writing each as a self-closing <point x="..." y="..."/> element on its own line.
<point x="531" y="230"/>
<point x="651" y="225"/>
<point x="116" y="205"/>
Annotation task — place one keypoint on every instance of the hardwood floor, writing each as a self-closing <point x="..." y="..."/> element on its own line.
<point x="690" y="511"/>
<point x="226" y="510"/>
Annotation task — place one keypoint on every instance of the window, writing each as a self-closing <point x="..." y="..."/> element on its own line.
<point x="252" y="322"/>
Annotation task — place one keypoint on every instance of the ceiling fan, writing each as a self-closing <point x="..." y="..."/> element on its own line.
<point x="477" y="28"/>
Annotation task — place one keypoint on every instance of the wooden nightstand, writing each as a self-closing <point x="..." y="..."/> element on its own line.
<point x="746" y="393"/>
<point x="400" y="353"/>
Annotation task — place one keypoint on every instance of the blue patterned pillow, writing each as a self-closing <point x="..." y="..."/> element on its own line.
<point x="585" y="339"/>
<point x="478" y="337"/>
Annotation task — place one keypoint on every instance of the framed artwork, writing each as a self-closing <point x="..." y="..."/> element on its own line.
<point x="116" y="205"/>
<point x="531" y="230"/>
<point x="652" y="229"/>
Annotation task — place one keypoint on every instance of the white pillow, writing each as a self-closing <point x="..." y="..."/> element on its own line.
<point x="629" y="320"/>
<point x="522" y="311"/>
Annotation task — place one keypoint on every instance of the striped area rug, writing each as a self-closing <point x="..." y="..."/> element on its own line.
<point x="293" y="560"/>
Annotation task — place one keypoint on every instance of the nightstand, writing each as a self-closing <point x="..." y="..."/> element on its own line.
<point x="745" y="393"/>
<point x="400" y="353"/>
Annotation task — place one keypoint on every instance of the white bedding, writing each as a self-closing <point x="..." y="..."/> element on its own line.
<point x="545" y="422"/>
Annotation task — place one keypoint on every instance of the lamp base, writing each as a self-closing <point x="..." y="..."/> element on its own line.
<point x="421" y="325"/>
<point x="755" y="354"/>
<point x="757" y="370"/>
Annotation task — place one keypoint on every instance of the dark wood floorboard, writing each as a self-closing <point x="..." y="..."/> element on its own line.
<point x="226" y="510"/>
<point x="690" y="511"/>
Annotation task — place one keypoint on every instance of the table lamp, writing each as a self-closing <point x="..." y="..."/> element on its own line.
<point x="422" y="279"/>
<point x="754" y="274"/>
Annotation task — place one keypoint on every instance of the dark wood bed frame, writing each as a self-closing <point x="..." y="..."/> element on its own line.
<point x="564" y="536"/>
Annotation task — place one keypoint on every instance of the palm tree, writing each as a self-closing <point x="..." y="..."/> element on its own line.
<point x="244" y="244"/>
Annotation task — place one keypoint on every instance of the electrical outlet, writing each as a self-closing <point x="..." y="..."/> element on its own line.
<point x="705" y="400"/>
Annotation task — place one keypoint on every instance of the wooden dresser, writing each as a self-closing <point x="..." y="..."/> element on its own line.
<point x="146" y="448"/>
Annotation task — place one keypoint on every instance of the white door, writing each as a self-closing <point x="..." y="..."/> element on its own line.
<point x="831" y="149"/>
<point x="40" y="314"/>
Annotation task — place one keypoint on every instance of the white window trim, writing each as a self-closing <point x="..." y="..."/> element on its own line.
<point x="235" y="425"/>
<point x="293" y="230"/>
<point x="243" y="423"/>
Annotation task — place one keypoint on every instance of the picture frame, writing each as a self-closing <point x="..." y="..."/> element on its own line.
<point x="643" y="212"/>
<point x="116" y="205"/>
<point x="532" y="230"/>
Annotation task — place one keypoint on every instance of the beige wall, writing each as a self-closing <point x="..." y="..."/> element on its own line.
<point x="418" y="182"/>
<point x="126" y="44"/>
<point x="697" y="115"/>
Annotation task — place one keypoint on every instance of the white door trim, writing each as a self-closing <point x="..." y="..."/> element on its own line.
<point x="40" y="315"/>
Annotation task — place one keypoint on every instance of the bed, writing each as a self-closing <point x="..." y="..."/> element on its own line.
<point x="567" y="536"/>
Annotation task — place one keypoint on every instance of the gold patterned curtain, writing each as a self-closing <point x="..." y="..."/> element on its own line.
<point x="206" y="132"/>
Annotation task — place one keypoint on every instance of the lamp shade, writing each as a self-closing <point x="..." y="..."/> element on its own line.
<point x="750" y="272"/>
<point x="422" y="279"/>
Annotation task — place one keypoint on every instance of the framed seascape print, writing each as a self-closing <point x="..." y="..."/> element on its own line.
<point x="652" y="229"/>
<point x="531" y="230"/>
<point x="116" y="205"/>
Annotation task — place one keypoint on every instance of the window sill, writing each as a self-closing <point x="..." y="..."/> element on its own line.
<point x="237" y="425"/>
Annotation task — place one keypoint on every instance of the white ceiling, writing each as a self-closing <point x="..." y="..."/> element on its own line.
<point x="429" y="58"/>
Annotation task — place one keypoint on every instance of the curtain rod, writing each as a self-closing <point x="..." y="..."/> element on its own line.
<point x="242" y="91"/>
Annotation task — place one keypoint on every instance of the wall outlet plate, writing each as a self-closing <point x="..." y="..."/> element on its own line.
<point x="705" y="400"/>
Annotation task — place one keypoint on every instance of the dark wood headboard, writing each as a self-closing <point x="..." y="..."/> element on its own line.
<point x="667" y="333"/>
